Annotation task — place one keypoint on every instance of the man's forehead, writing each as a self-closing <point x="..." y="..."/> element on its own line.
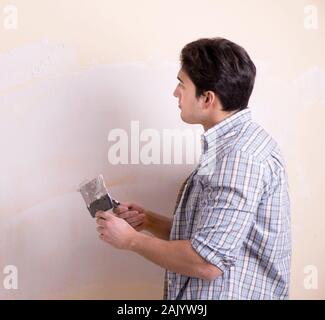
<point x="181" y="75"/>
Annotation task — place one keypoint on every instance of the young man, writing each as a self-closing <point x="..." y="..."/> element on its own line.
<point x="230" y="234"/>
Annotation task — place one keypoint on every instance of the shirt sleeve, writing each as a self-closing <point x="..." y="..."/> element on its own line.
<point x="229" y="202"/>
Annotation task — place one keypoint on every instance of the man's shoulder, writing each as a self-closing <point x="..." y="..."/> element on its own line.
<point x="252" y="141"/>
<point x="251" y="146"/>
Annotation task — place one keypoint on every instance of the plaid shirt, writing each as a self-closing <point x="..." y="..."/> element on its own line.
<point x="235" y="210"/>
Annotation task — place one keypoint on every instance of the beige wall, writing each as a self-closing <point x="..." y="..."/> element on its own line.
<point x="74" y="70"/>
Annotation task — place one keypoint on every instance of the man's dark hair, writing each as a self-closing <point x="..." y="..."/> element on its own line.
<point x="221" y="66"/>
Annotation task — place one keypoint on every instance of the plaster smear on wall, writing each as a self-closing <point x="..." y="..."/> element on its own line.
<point x="56" y="136"/>
<point x="35" y="60"/>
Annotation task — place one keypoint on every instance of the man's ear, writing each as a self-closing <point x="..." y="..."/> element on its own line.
<point x="208" y="98"/>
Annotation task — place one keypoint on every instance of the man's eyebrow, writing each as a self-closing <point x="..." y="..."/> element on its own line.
<point x="180" y="79"/>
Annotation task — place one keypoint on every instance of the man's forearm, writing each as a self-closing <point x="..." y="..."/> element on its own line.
<point x="159" y="225"/>
<point x="178" y="256"/>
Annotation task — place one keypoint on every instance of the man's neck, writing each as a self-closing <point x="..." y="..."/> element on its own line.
<point x="219" y="117"/>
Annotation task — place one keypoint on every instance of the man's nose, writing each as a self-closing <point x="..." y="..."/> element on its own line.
<point x="175" y="93"/>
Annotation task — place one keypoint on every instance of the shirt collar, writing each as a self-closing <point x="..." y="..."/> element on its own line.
<point x="221" y="129"/>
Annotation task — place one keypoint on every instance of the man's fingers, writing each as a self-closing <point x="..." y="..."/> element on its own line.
<point x="136" y="224"/>
<point x="126" y="204"/>
<point x="100" y="229"/>
<point x="102" y="237"/>
<point x="99" y="214"/>
<point x="128" y="214"/>
<point x="103" y="218"/>
<point x="123" y="206"/>
<point x="120" y="209"/>
<point x="103" y="215"/>
<point x="101" y="222"/>
<point x="139" y="217"/>
<point x="138" y="227"/>
<point x="135" y="219"/>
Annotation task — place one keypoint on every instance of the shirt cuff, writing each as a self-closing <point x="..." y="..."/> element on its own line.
<point x="211" y="255"/>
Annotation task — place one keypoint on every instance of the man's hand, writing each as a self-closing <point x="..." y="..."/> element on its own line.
<point x="143" y="219"/>
<point x="134" y="214"/>
<point x="115" y="230"/>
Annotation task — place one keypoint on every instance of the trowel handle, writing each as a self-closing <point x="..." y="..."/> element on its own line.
<point x="115" y="203"/>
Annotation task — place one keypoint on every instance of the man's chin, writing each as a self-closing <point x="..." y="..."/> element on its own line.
<point x="183" y="118"/>
<point x="187" y="120"/>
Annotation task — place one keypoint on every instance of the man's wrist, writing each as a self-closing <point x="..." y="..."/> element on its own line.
<point x="150" y="221"/>
<point x="136" y="239"/>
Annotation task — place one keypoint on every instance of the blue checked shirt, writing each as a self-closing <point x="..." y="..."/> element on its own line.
<point x="235" y="210"/>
